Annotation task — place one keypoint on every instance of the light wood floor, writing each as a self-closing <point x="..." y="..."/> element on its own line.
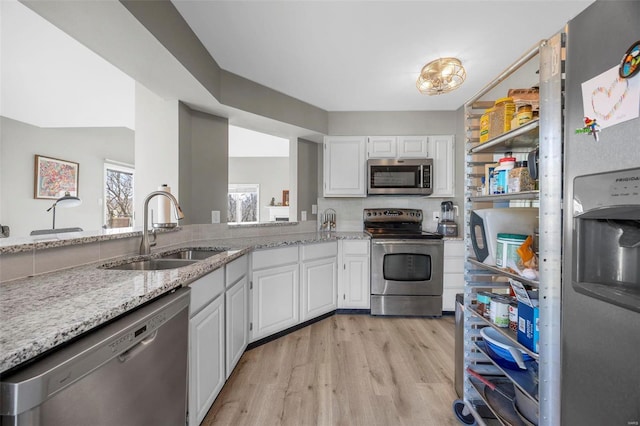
<point x="346" y="370"/>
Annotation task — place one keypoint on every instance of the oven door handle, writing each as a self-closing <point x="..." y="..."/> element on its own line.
<point x="405" y="242"/>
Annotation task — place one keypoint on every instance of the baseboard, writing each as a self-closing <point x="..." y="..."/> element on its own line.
<point x="296" y="327"/>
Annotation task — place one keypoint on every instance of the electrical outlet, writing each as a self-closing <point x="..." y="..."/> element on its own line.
<point x="435" y="216"/>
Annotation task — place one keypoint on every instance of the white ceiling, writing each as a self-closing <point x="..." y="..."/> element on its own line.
<point x="49" y="79"/>
<point x="336" y="55"/>
<point x="366" y="55"/>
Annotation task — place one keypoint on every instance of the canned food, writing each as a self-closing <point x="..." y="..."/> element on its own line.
<point x="500" y="311"/>
<point x="484" y="299"/>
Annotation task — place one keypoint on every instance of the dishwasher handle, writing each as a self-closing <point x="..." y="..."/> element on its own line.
<point x="137" y="348"/>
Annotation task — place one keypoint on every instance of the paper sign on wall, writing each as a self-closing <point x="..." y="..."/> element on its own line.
<point x="611" y="99"/>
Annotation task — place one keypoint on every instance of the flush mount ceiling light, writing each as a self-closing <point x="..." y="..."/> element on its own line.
<point x="441" y="76"/>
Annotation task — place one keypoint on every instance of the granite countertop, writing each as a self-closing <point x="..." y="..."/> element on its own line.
<point x="41" y="312"/>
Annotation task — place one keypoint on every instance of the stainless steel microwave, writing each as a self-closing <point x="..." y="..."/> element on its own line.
<point x="400" y="177"/>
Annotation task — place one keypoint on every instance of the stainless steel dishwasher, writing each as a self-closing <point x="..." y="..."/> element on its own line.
<point x="132" y="371"/>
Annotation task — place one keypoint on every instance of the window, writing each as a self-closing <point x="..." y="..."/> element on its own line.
<point x="244" y="200"/>
<point x="118" y="196"/>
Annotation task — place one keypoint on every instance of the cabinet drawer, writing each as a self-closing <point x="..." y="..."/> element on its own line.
<point x="205" y="289"/>
<point x="319" y="250"/>
<point x="274" y="257"/>
<point x="235" y="270"/>
<point x="454" y="248"/>
<point x="360" y="247"/>
<point x="453" y="264"/>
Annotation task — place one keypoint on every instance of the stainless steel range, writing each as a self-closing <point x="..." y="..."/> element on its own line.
<point x="406" y="263"/>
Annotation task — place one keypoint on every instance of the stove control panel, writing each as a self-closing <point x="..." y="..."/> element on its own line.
<point x="392" y="215"/>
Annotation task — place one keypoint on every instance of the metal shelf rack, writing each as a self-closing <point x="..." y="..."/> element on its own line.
<point x="546" y="134"/>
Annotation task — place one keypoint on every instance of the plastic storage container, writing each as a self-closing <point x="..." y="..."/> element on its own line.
<point x="484" y="125"/>
<point x="506" y="246"/>
<point x="501" y="175"/>
<point x="500" y="117"/>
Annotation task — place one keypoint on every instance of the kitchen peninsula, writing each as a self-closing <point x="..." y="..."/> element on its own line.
<point x="43" y="311"/>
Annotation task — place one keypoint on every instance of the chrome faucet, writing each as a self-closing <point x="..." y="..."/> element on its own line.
<point x="145" y="245"/>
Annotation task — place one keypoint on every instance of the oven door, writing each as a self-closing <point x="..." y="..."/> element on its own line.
<point x="407" y="267"/>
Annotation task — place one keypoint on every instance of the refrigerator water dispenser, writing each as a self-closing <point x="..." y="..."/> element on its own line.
<point x="607" y="237"/>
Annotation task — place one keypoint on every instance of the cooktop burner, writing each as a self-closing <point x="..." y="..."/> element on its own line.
<point x="396" y="223"/>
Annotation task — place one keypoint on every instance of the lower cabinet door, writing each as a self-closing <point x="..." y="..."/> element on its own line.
<point x="319" y="287"/>
<point x="355" y="291"/>
<point x="237" y="324"/>
<point x="206" y="359"/>
<point x="275" y="300"/>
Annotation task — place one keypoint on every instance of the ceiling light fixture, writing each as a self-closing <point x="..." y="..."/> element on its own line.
<point x="441" y="76"/>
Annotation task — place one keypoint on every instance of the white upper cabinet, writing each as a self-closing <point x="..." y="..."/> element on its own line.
<point x="382" y="147"/>
<point x="442" y="150"/>
<point x="413" y="147"/>
<point x="397" y="147"/>
<point x="345" y="166"/>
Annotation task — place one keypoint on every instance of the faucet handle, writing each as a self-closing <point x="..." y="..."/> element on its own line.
<point x="152" y="243"/>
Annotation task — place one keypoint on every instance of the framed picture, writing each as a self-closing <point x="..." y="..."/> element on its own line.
<point x="285" y="197"/>
<point x="54" y="177"/>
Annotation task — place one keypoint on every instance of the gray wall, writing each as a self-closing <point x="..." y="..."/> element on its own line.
<point x="397" y="123"/>
<point x="203" y="174"/>
<point x="89" y="147"/>
<point x="272" y="173"/>
<point x="308" y="176"/>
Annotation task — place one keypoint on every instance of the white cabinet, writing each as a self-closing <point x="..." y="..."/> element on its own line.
<point x="206" y="345"/>
<point x="345" y="166"/>
<point x="237" y="326"/>
<point x="354" y="291"/>
<point x="397" y="147"/>
<point x="382" y="147"/>
<point x="453" y="273"/>
<point x="237" y="312"/>
<point x="319" y="279"/>
<point x="275" y="293"/>
<point x="413" y="147"/>
<point x="441" y="149"/>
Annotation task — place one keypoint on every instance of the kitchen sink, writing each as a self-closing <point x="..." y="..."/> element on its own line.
<point x="192" y="254"/>
<point x="153" y="264"/>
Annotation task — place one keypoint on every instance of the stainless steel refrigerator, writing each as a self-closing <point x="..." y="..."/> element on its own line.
<point x="601" y="245"/>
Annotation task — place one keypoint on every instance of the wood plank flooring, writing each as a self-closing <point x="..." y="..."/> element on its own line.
<point x="346" y="370"/>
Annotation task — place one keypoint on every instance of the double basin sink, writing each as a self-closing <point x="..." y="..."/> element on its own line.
<point x="169" y="260"/>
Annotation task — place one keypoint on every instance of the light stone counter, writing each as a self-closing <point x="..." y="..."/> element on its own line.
<point x="41" y="312"/>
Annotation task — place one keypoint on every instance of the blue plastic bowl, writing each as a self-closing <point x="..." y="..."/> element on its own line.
<point x="502" y="350"/>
